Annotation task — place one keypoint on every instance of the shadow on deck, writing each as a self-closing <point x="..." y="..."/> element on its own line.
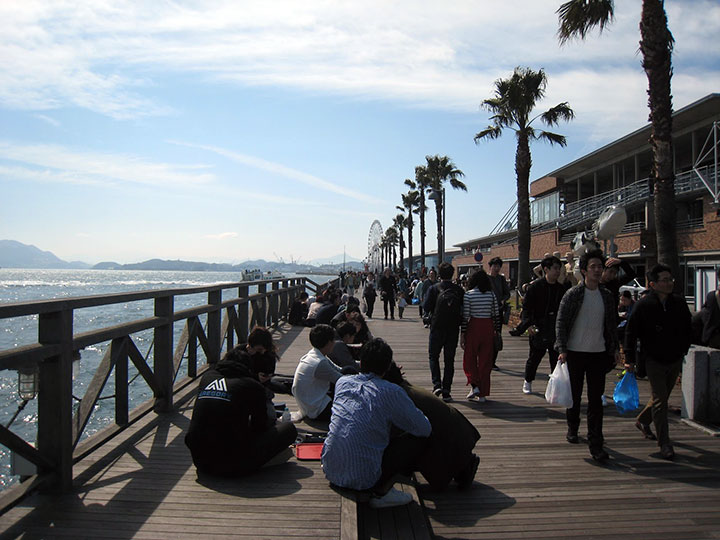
<point x="530" y="483"/>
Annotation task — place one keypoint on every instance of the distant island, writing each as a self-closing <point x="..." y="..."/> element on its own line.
<point x="15" y="254"/>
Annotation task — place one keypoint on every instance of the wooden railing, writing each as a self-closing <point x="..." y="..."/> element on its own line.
<point x="59" y="430"/>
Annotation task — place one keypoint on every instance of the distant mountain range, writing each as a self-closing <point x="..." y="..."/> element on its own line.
<point x="18" y="255"/>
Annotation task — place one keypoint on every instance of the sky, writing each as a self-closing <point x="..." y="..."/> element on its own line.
<point x="223" y="131"/>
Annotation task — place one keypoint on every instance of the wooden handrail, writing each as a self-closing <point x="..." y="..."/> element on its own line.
<point x="59" y="430"/>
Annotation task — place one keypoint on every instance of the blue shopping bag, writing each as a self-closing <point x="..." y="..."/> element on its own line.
<point x="626" y="395"/>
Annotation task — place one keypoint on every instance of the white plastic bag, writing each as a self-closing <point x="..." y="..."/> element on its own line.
<point x="558" y="390"/>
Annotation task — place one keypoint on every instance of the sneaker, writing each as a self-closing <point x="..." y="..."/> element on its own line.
<point x="465" y="477"/>
<point x="667" y="452"/>
<point x="394" y="497"/>
<point x="446" y="397"/>
<point x="599" y="455"/>
<point x="527" y="387"/>
<point x="471" y="394"/>
<point x="481" y="399"/>
<point x="604" y="400"/>
<point x="646" y="431"/>
<point x="438" y="391"/>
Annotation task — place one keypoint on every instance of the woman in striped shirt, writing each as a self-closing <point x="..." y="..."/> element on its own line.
<point x="481" y="320"/>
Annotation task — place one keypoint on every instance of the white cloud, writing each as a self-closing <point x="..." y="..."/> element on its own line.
<point x="283" y="171"/>
<point x="53" y="163"/>
<point x="221" y="236"/>
<point x="103" y="55"/>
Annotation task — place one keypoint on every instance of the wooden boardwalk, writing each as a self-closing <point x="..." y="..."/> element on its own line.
<point x="530" y="484"/>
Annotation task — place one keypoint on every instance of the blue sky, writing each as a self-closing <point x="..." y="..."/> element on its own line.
<point x="223" y="131"/>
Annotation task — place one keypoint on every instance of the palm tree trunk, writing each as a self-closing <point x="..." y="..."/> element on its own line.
<point x="656" y="47"/>
<point x="410" y="239"/>
<point x="402" y="251"/>
<point x="422" y="228"/>
<point x="523" y="162"/>
<point x="440" y="232"/>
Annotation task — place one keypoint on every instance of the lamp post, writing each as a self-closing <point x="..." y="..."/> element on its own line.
<point x="441" y="234"/>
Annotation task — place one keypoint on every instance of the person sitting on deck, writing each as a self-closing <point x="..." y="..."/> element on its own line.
<point x="326" y="313"/>
<point x="341" y="354"/>
<point x="449" y="452"/>
<point x="231" y="433"/>
<point x="315" y="375"/>
<point x="299" y="310"/>
<point x="359" y="452"/>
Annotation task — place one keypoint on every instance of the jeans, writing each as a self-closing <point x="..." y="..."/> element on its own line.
<point x="592" y="367"/>
<point x="445" y="339"/>
<point x="663" y="378"/>
<point x="389" y="299"/>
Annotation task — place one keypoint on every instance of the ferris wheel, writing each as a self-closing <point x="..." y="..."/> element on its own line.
<point x="374" y="239"/>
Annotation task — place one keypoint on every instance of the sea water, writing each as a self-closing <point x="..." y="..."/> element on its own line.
<point x="21" y="285"/>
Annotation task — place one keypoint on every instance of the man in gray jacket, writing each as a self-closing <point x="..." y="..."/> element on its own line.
<point x="587" y="341"/>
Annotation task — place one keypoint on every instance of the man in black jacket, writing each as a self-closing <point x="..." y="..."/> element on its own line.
<point x="388" y="290"/>
<point x="444" y="301"/>
<point x="661" y="321"/>
<point x="539" y="312"/>
<point x="231" y="432"/>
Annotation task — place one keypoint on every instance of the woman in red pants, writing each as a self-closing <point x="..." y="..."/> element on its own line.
<point x="481" y="320"/>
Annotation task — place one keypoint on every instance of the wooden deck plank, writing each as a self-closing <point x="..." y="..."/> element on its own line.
<point x="530" y="483"/>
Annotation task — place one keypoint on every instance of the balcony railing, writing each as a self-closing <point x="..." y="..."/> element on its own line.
<point x="588" y="209"/>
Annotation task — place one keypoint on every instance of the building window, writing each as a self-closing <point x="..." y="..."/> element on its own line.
<point x="544" y="209"/>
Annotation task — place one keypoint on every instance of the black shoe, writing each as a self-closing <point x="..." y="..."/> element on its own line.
<point x="646" y="431"/>
<point x="392" y="317"/>
<point x="446" y="397"/>
<point x="495" y="367"/>
<point x="667" y="452"/>
<point x="437" y="391"/>
<point x="572" y="437"/>
<point x="599" y="455"/>
<point x="515" y="332"/>
<point x="465" y="478"/>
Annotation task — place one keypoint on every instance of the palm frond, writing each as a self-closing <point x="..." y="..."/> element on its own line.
<point x="577" y="17"/>
<point x="410" y="183"/>
<point x="457" y="184"/>
<point x="490" y="132"/>
<point x="562" y="111"/>
<point x="552" y="138"/>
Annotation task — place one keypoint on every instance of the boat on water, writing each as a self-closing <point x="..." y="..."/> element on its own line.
<point x="259" y="275"/>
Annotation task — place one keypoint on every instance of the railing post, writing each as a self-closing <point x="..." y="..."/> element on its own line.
<point x="54" y="435"/>
<point x="275" y="304"/>
<point x="120" y="354"/>
<point x="214" y="326"/>
<point x="163" y="354"/>
<point x="243" y="315"/>
<point x="261" y="317"/>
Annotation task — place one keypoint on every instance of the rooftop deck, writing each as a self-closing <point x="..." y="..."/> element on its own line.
<point x="530" y="483"/>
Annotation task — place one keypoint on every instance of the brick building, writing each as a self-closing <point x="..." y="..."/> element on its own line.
<point x="571" y="198"/>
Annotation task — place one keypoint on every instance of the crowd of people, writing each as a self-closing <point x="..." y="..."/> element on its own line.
<point x="381" y="426"/>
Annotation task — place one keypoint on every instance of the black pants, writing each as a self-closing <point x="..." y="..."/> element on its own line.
<point x="538" y="348"/>
<point x="591" y="367"/>
<point x="389" y="299"/>
<point x="400" y="457"/>
<point x="446" y="340"/>
<point x="370" y="306"/>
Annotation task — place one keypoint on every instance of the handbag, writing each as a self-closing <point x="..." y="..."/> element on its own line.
<point x="498" y="342"/>
<point x="626" y="395"/>
<point x="559" y="391"/>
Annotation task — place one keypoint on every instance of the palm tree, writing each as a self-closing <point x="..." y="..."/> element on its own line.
<point x="391" y="235"/>
<point x="399" y="224"/>
<point x="410" y="203"/>
<point x="441" y="170"/>
<point x="576" y="18"/>
<point x="511" y="107"/>
<point x="421" y="183"/>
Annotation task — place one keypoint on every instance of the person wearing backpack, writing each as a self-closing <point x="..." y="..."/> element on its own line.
<point x="444" y="301"/>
